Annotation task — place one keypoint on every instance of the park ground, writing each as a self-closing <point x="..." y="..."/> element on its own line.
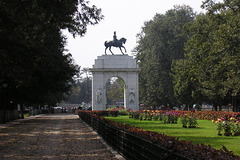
<point x="52" y="136"/>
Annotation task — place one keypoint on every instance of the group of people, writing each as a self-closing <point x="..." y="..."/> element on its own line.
<point x="80" y="108"/>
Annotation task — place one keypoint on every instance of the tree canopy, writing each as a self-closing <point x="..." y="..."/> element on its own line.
<point x="81" y="90"/>
<point x="115" y="90"/>
<point x="32" y="59"/>
<point x="160" y="42"/>
<point x="211" y="64"/>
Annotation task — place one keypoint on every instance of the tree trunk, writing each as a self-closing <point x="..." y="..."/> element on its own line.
<point x="215" y="106"/>
<point x="21" y="111"/>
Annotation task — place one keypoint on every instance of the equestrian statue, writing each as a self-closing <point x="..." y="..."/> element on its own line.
<point x="115" y="43"/>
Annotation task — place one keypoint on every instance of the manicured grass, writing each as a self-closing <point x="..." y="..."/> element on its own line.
<point x="205" y="134"/>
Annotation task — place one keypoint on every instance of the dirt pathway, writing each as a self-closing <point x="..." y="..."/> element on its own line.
<point x="58" y="136"/>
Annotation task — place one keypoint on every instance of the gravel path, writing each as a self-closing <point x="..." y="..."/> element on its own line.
<point x="57" y="136"/>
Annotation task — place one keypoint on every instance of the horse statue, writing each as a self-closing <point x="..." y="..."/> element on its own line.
<point x="117" y="43"/>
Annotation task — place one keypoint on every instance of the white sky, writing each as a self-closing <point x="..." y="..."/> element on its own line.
<point x="126" y="17"/>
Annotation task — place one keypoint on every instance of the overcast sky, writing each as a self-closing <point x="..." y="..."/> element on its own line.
<point x="126" y="17"/>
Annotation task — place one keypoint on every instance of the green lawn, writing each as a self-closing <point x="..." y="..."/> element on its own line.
<point x="206" y="134"/>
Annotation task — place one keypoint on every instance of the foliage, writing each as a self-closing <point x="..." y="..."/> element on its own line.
<point x="209" y="71"/>
<point x="32" y="61"/>
<point x="160" y="42"/>
<point x="130" y="113"/>
<point x="189" y="120"/>
<point x="170" y="117"/>
<point x="165" y="116"/>
<point x="184" y="120"/>
<point x="214" y="115"/>
<point x="219" y="126"/>
<point x="147" y="115"/>
<point x="115" y="90"/>
<point x="81" y="90"/>
<point x="192" y="121"/>
<point x="229" y="125"/>
<point x="207" y="115"/>
<point x="205" y="134"/>
<point x="171" y="143"/>
<point x="122" y="111"/>
<point x="117" y="111"/>
<point x="236" y="129"/>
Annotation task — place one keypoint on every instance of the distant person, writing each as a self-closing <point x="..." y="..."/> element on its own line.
<point x="115" y="37"/>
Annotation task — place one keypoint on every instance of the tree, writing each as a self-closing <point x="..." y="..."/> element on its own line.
<point x="160" y="42"/>
<point x="213" y="52"/>
<point x="32" y="61"/>
<point x="86" y="86"/>
<point x="115" y="90"/>
<point x="81" y="91"/>
<point x="186" y="77"/>
<point x="186" y="83"/>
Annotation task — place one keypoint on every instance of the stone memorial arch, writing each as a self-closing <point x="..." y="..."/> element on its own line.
<point x="122" y="66"/>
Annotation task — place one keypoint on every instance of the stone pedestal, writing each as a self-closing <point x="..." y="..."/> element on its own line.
<point x="107" y="66"/>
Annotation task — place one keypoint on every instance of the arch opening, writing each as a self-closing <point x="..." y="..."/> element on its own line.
<point x="115" y="88"/>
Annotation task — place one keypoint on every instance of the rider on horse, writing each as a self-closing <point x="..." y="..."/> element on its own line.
<point x="115" y="40"/>
<point x="115" y="43"/>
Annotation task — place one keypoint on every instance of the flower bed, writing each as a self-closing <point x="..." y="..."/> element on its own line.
<point x="214" y="115"/>
<point x="165" y="116"/>
<point x="208" y="115"/>
<point x="172" y="144"/>
<point x="228" y="125"/>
